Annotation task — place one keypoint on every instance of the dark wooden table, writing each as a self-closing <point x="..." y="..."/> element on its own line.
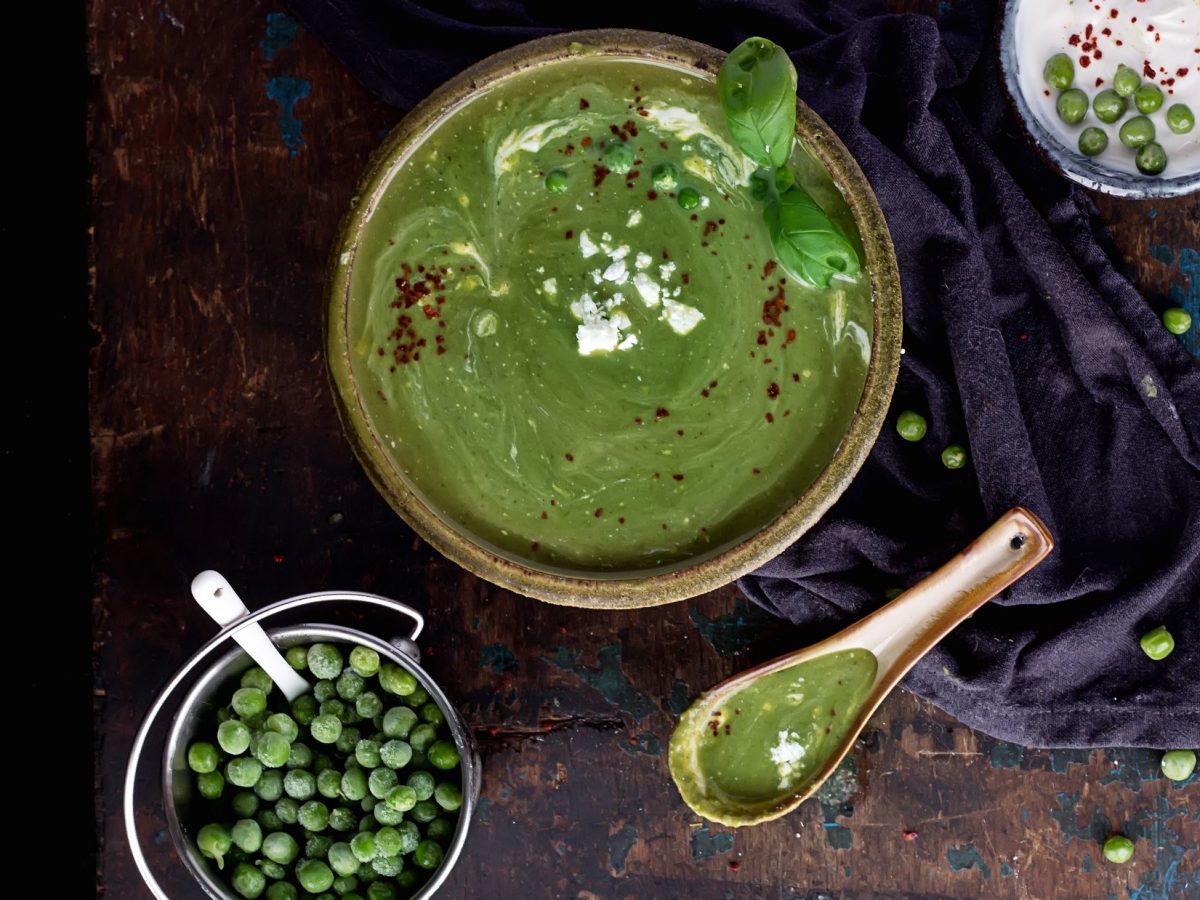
<point x="225" y="144"/>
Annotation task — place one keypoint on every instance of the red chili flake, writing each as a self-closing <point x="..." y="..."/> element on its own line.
<point x="767" y="361"/>
<point x="631" y="127"/>
<point x="637" y="420"/>
<point x="912" y="835"/>
<point x="587" y="141"/>
<point x="791" y="336"/>
<point x="621" y="520"/>
<point x="1088" y="31"/>
<point x="1112" y="14"/>
<point x="1084" y="61"/>
<point x="679" y="431"/>
<point x="583" y="104"/>
<point x="661" y="413"/>
<point x="545" y="515"/>
<point x="734" y="865"/>
<point x="770" y="418"/>
<point x="568" y="150"/>
<point x="685" y="278"/>
<point x="1147" y="69"/>
<point x="1107" y="32"/>
<point x="277" y="559"/>
<point x="1047" y="93"/>
<point x="1181" y="72"/>
<point x="756" y="471"/>
<point x="712" y="384"/>
<point x="1119" y="42"/>
<point x="762" y="339"/>
<point x="599" y="511"/>
<point x="772" y="390"/>
<point x="773" y="307"/>
<point x="562" y="629"/>
<point x="704" y="392"/>
<point x="1098" y="54"/>
<point x="651" y="195"/>
<point x="570" y="458"/>
<point x="534" y="546"/>
<point x="1099" y="81"/>
<point x="709" y="227"/>
<point x="599" y="174"/>
<point x="493" y="730"/>
<point x="553" y="502"/>
<point x="677" y="477"/>
<point x="569" y="234"/>
<point x="1074" y="41"/>
<point x="658" y="475"/>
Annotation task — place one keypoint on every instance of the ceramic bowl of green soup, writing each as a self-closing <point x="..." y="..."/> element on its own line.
<point x="562" y="342"/>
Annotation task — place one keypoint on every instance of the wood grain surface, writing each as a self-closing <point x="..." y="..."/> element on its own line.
<point x="225" y="143"/>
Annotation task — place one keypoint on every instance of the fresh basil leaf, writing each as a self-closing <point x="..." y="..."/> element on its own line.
<point x="807" y="242"/>
<point x="757" y="84"/>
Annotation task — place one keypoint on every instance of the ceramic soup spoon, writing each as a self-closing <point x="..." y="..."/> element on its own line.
<point x="758" y="744"/>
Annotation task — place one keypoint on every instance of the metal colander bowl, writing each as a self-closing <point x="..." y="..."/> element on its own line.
<point x="197" y="711"/>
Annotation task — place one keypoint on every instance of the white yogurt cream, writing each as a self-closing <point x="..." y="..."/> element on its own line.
<point x="1159" y="39"/>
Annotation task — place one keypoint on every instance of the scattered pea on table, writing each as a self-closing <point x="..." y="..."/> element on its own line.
<point x="1177" y="320"/>
<point x="1158" y="643"/>
<point x="1178" y="765"/>
<point x="911" y="425"/>
<point x="954" y="456"/>
<point x="1118" y="849"/>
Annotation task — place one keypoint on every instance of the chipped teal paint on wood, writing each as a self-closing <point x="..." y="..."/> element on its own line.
<point x="619" y="845"/>
<point x="497" y="657"/>
<point x="607" y="678"/>
<point x="287" y="91"/>
<point x="966" y="856"/>
<point x="281" y="31"/>
<point x="707" y="844"/>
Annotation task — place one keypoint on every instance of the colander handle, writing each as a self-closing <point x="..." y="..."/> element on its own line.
<point x="139" y="741"/>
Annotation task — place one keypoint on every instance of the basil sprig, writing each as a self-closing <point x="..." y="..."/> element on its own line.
<point x="757" y="85"/>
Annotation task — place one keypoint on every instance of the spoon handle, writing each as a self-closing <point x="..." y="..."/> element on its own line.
<point x="217" y="597"/>
<point x="904" y="630"/>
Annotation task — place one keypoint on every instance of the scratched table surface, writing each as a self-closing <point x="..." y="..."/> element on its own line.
<point x="225" y="143"/>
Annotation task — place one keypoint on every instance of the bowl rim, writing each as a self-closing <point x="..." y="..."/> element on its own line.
<point x="1068" y="162"/>
<point x="598" y="590"/>
<point x="219" y="669"/>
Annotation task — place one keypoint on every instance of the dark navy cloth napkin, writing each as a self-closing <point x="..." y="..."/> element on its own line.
<point x="1024" y="340"/>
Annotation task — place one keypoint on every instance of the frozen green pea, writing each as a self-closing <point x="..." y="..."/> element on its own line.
<point x="448" y="796"/>
<point x="348" y="740"/>
<point x="410" y="836"/>
<point x="368" y="803"/>
<point x="1148" y="98"/>
<point x="1109" y="106"/>
<point x="432" y="714"/>
<point x="443" y="755"/>
<point x="282" y="890"/>
<point x="402" y="798"/>
<point x="665" y="177"/>
<point x="297" y="658"/>
<point x="364" y="661"/>
<point x="418" y="698"/>
<point x="1178" y="765"/>
<point x="366" y="752"/>
<point x="326" y="729"/>
<point x="333" y="707"/>
<point x="299" y="784"/>
<point x="1126" y="81"/>
<point x="280" y="847"/>
<point x="387" y="842"/>
<point x="386" y="815"/>
<point x="422" y="784"/>
<point x="1059" y="71"/>
<point x="342" y="859"/>
<point x="396" y="680"/>
<point x="345" y="885"/>
<point x="329" y="783"/>
<point x="271" y="869"/>
<point x="269" y="786"/>
<point x="422" y="737"/>
<point x="368" y="705"/>
<point x="349" y="685"/>
<point x="282" y="723"/>
<point x="1136" y="132"/>
<point x="214" y="841"/>
<point x="248" y="701"/>
<point x="254" y="677"/>
<point x="363" y="845"/>
<point x="342" y="819"/>
<point x="314" y="876"/>
<point x="1118" y="849"/>
<point x="243" y="771"/>
<point x="321" y="762"/>
<point x="233" y="736"/>
<point x="269" y="820"/>
<point x="354" y="784"/>
<point x="305" y="708"/>
<point x="381" y="890"/>
<point x="210" y="785"/>
<point x="1158" y="643"/>
<point x="288" y="810"/>
<point x="557" y="181"/>
<point x="688" y="198"/>
<point x="248" y="881"/>
<point x="424" y="811"/>
<point x="387" y="866"/>
<point x="299" y="756"/>
<point x="325" y="660"/>
<point x="395" y="754"/>
<point x="244" y="804"/>
<point x="954" y="456"/>
<point x="399" y="721"/>
<point x="272" y="749"/>
<point x="1150" y="159"/>
<point x="1177" y="320"/>
<point x="1093" y="141"/>
<point x="203" y="757"/>
<point x="247" y="834"/>
<point x="381" y="781"/>
<point x="440" y="829"/>
<point x="1180" y="118"/>
<point x="313" y="815"/>
<point x="428" y="855"/>
<point x="318" y="846"/>
<point x="324" y="690"/>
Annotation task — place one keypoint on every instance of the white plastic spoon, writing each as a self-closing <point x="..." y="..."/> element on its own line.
<point x="217" y="598"/>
